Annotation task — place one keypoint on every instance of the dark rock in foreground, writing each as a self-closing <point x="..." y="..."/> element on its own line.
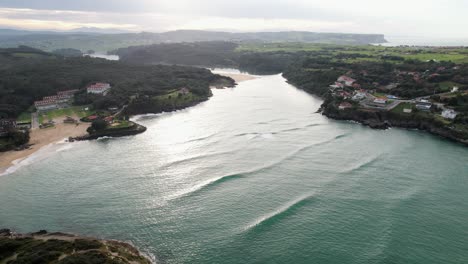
<point x="61" y="248"/>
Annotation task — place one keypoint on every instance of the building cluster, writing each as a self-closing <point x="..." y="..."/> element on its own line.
<point x="99" y="88"/>
<point x="348" y="88"/>
<point x="344" y="81"/>
<point x="63" y="99"/>
<point x="60" y="100"/>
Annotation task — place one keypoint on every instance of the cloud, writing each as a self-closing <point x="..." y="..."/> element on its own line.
<point x="416" y="17"/>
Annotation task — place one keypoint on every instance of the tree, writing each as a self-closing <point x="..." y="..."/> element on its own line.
<point x="98" y="125"/>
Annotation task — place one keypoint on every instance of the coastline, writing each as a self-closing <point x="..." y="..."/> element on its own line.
<point x="41" y="138"/>
<point x="384" y="120"/>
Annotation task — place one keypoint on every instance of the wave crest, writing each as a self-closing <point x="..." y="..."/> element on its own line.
<point x="280" y="212"/>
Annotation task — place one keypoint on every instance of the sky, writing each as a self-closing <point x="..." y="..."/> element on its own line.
<point x="441" y="18"/>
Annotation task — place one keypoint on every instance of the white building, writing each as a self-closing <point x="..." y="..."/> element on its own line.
<point x="359" y="96"/>
<point x="449" y="114"/>
<point x="380" y="101"/>
<point x="99" y="88"/>
<point x="45" y="105"/>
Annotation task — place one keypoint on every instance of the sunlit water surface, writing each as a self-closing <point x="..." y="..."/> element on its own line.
<point x="254" y="175"/>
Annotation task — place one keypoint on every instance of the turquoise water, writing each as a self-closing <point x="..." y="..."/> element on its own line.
<point x="254" y="175"/>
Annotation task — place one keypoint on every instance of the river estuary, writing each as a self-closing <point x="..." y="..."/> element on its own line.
<point x="254" y="175"/>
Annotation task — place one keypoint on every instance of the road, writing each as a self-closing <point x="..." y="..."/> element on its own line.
<point x="34" y="120"/>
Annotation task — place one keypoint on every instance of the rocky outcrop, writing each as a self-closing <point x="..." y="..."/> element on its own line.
<point x="62" y="248"/>
<point x="383" y="120"/>
<point x="122" y="132"/>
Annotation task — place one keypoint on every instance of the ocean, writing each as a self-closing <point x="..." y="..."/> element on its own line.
<point x="254" y="175"/>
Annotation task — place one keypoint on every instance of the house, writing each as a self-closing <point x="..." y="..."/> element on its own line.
<point x="343" y="94"/>
<point x="347" y="81"/>
<point x="449" y="114"/>
<point x="109" y="119"/>
<point x="423" y="105"/>
<point x="45" y="105"/>
<point x="60" y="100"/>
<point x="407" y="110"/>
<point x="392" y="97"/>
<point x="7" y="123"/>
<point x="98" y="88"/>
<point x="380" y="101"/>
<point x="184" y="91"/>
<point x="359" y="95"/>
<point x="68" y="93"/>
<point x="345" y="105"/>
<point x="337" y="85"/>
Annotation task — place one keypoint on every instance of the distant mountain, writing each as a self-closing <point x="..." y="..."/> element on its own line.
<point x="99" y="30"/>
<point x="103" y="42"/>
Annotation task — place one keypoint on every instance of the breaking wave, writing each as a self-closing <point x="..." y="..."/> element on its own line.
<point x="182" y="161"/>
<point x="213" y="182"/>
<point x="363" y="165"/>
<point x="280" y="212"/>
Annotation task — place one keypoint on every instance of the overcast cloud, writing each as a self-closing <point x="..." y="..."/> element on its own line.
<point x="397" y="17"/>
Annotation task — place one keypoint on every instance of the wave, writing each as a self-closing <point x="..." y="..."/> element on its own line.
<point x="41" y="154"/>
<point x="199" y="187"/>
<point x="268" y="134"/>
<point x="270" y="121"/>
<point x="181" y="161"/>
<point x="280" y="212"/>
<point x="365" y="164"/>
<point x="213" y="182"/>
<point x="199" y="138"/>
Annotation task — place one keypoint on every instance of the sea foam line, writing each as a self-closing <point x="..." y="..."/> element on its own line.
<point x="279" y="212"/>
<point x="41" y="154"/>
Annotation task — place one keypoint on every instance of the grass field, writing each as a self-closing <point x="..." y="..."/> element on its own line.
<point x="399" y="108"/>
<point x="121" y="124"/>
<point x="70" y="111"/>
<point x="24" y="117"/>
<point x="448" y="86"/>
<point x="457" y="55"/>
<point x="176" y="99"/>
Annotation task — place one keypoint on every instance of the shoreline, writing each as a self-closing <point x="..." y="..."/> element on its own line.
<point x="41" y="138"/>
<point x="237" y="77"/>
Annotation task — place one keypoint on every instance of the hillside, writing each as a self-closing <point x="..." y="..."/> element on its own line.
<point x="104" y="42"/>
<point x="28" y="74"/>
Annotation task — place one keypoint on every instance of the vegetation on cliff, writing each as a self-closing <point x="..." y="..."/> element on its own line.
<point x="60" y="248"/>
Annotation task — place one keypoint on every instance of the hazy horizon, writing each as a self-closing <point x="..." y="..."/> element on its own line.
<point x="396" y="18"/>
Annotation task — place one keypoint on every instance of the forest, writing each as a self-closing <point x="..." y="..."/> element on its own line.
<point x="28" y="74"/>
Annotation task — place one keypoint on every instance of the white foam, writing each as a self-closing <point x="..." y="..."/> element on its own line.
<point x="41" y="154"/>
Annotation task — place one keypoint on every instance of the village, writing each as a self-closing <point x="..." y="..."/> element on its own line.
<point x="50" y="111"/>
<point x="350" y="93"/>
<point x="56" y="111"/>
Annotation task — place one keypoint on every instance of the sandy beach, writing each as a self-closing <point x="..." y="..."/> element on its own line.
<point x="238" y="77"/>
<point x="41" y="138"/>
